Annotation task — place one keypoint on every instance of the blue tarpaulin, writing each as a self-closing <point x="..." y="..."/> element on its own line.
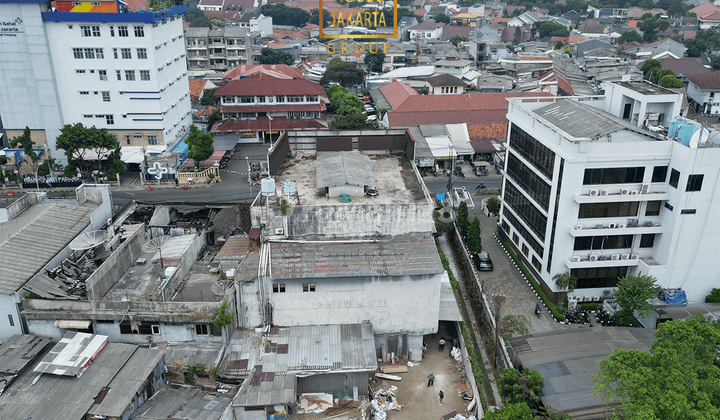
<point x="440" y="197"/>
<point x="675" y="297"/>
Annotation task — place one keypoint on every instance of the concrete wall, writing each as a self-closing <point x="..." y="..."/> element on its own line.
<point x="249" y="305"/>
<point x="394" y="305"/>
<point x="187" y="260"/>
<point x="116" y="265"/>
<point x="14" y="209"/>
<point x="339" y="384"/>
<point x="196" y="312"/>
<point x="348" y="220"/>
<point x="351" y="190"/>
<point x="8" y="310"/>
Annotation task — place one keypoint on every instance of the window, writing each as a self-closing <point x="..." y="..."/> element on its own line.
<point x="126" y="54"/>
<point x="694" y="183"/>
<point x="261" y="99"/>
<point x="96" y="29"/>
<point x="106" y="96"/>
<point x="85" y="30"/>
<point x="613" y="176"/>
<point x="659" y="174"/>
<point x="538" y="155"/>
<point x="119" y="74"/>
<point x="102" y="74"/>
<point x="80" y="71"/>
<point x="523" y="232"/>
<point x="674" y="178"/>
<point x="137" y="135"/>
<point x="585" y="243"/>
<point x="78" y="52"/>
<point x="653" y="208"/>
<point x="109" y="119"/>
<point x="525" y="210"/>
<point x="144" y="74"/>
<point x="279" y="288"/>
<point x="311" y="98"/>
<point x="89" y="52"/>
<point x="129" y="74"/>
<point x="139" y="31"/>
<point x="202" y="329"/>
<point x="99" y="53"/>
<point x="594" y="210"/>
<point x="127" y="138"/>
<point x="525" y="249"/>
<point x="516" y="238"/>
<point x="123" y="31"/>
<point x="688" y="211"/>
<point x="84" y="92"/>
<point x="10" y="319"/>
<point x="294" y="98"/>
<point x="308" y="287"/>
<point x="529" y="181"/>
<point x="115" y="54"/>
<point x="536" y="263"/>
<point x="598" y="277"/>
<point x="152" y="139"/>
<point x="142" y="53"/>
<point x="647" y="241"/>
<point x="280" y="98"/>
<point x="247" y="99"/>
<point x="87" y="116"/>
<point x="112" y="30"/>
<point x="668" y="206"/>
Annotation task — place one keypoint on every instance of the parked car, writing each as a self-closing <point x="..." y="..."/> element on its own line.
<point x="483" y="261"/>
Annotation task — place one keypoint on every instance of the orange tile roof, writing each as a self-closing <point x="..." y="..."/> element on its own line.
<point x="396" y="93"/>
<point x="278" y="71"/>
<point x="196" y="87"/>
<point x="487" y="131"/>
<point x="280" y="34"/>
<point x="632" y="23"/>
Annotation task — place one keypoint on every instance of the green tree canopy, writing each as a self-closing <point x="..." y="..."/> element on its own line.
<point x="633" y="292"/>
<point x="650" y="66"/>
<point x="462" y="220"/>
<point x="670" y="81"/>
<point x="519" y="411"/>
<point x="650" y="26"/>
<point x="474" y="239"/>
<point x="375" y="60"/>
<point x="197" y="19"/>
<point x="565" y="282"/>
<point x="283" y="15"/>
<point x="356" y="121"/>
<point x="315" y="17"/>
<point x="678" y="379"/>
<point x="271" y="56"/>
<point x="343" y="73"/>
<point x="521" y="387"/>
<point x="200" y="145"/>
<point x="695" y="47"/>
<point x="629" y="36"/>
<point x="208" y="97"/>
<point x="550" y="29"/>
<point x="80" y="142"/>
<point x="715" y="64"/>
<point x="442" y="18"/>
<point x="457" y="39"/>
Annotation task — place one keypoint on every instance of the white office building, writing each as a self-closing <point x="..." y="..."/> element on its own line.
<point x="605" y="186"/>
<point x="97" y="64"/>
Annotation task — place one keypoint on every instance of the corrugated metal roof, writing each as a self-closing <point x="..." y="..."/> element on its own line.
<point x="33" y="238"/>
<point x="16" y="353"/>
<point x="301" y="349"/>
<point x="72" y="354"/>
<point x="280" y="390"/>
<point x="343" y="168"/>
<point x="412" y="254"/>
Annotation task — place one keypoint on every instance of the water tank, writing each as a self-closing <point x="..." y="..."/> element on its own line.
<point x="267" y="186"/>
<point x="169" y="271"/>
<point x="289" y="188"/>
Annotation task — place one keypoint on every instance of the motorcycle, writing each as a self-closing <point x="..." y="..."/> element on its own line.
<point x="537" y="311"/>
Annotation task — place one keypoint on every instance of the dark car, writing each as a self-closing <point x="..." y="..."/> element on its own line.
<point x="483" y="261"/>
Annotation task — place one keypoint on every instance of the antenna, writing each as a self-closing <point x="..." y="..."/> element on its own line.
<point x="157" y="245"/>
<point x="88" y="240"/>
<point x="221" y="287"/>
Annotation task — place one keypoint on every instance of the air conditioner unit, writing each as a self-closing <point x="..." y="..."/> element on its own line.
<point x="645" y="189"/>
<point x="615" y="257"/>
<point x="612" y="225"/>
<point x="603" y="192"/>
<point x="594" y="192"/>
<point x="579" y="227"/>
<point x="634" y="192"/>
<point x="575" y="258"/>
<point x="572" y="304"/>
<point x="596" y="298"/>
<point x="634" y="256"/>
<point x="593" y="257"/>
<point x="155" y="329"/>
<point x="625" y="257"/>
<point x="622" y="226"/>
<point x="279" y="231"/>
<point x="625" y="191"/>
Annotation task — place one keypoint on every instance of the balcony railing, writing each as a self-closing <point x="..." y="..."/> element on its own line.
<point x="626" y="227"/>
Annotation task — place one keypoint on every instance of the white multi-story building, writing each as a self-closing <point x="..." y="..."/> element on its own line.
<point x="97" y="65"/>
<point x="588" y="189"/>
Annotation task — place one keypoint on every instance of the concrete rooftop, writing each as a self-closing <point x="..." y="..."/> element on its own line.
<point x="394" y="179"/>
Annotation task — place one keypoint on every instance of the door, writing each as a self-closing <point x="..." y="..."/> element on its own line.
<point x="626" y="111"/>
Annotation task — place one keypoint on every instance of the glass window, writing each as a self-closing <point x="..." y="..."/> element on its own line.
<point x="139" y="31"/>
<point x="89" y="52"/>
<point x="115" y="54"/>
<point x="142" y="53"/>
<point x="279" y="288"/>
<point x="659" y="174"/>
<point x="78" y="53"/>
<point x="688" y="211"/>
<point x="308" y="287"/>
<point x="261" y="99"/>
<point x="123" y="31"/>
<point x="534" y="244"/>
<point x="144" y="74"/>
<point x="106" y="96"/>
<point x="531" y="183"/>
<point x="694" y="183"/>
<point x="311" y="98"/>
<point x="95" y="31"/>
<point x="280" y="98"/>
<point x="596" y="210"/>
<point x="593" y="277"/>
<point x="109" y="119"/>
<point x="525" y="210"/>
<point x="119" y="74"/>
<point x="85" y="30"/>
<point x="668" y="206"/>
<point x="84" y="92"/>
<point x="585" y="243"/>
<point x="80" y="71"/>
<point x="99" y="53"/>
<point x="129" y="74"/>
<point x="126" y="53"/>
<point x="202" y="329"/>
<point x="127" y="139"/>
<point x="647" y="241"/>
<point x="112" y="30"/>
<point x="10" y="319"/>
<point x="152" y="139"/>
<point x="102" y="74"/>
<point x="537" y="154"/>
<point x="674" y="178"/>
<point x="653" y="208"/>
<point x="247" y="99"/>
<point x="613" y="175"/>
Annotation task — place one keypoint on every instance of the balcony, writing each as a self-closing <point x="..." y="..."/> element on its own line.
<point x="602" y="259"/>
<point x="628" y="227"/>
<point x="620" y="194"/>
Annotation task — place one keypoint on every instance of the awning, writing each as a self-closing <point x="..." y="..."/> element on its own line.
<point x="134" y="154"/>
<point x="449" y="310"/>
<point x="72" y="324"/>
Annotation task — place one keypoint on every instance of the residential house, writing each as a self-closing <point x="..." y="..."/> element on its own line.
<point x="214" y="5"/>
<point x="491" y="83"/>
<point x="445" y="83"/>
<point x="684" y="67"/>
<point x="527" y="18"/>
<point x="257" y="22"/>
<point x="218" y="49"/>
<point x="465" y="19"/>
<point x="426" y="30"/>
<point x="450" y="31"/>
<point x="405" y="23"/>
<point x="704" y="90"/>
<point x="708" y="15"/>
<point x="198" y="88"/>
<point x="457" y="67"/>
<point x="582" y="47"/>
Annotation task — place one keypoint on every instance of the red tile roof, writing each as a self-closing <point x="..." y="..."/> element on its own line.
<point x="273" y="108"/>
<point x="396" y="93"/>
<point x="136" y="5"/>
<point x="704" y="9"/>
<point x="707" y="81"/>
<point x="262" y="124"/>
<point x="689" y="34"/>
<point x="281" y="34"/>
<point x="261" y="84"/>
<point x="196" y="87"/>
<point x="487" y="131"/>
<point x="450" y="31"/>
<point x="279" y="71"/>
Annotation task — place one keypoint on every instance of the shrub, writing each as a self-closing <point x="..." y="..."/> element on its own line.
<point x="590" y="306"/>
<point x="713" y="297"/>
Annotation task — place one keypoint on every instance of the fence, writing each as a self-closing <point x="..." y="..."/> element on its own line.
<point x="199" y="176"/>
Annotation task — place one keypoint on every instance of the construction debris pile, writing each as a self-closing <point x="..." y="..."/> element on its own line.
<point x="315" y="403"/>
<point x="383" y="401"/>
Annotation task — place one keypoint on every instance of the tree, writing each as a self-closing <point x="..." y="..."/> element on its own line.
<point x="442" y="18"/>
<point x="271" y="56"/>
<point x="550" y="29"/>
<point x="462" y="220"/>
<point x="474" y="240"/>
<point x="342" y="73"/>
<point x="677" y="379"/>
<point x="519" y="411"/>
<point x="197" y="19"/>
<point x="632" y="295"/>
<point x="629" y="36"/>
<point x="695" y="47"/>
<point x="517" y="35"/>
<point x="283" y="15"/>
<point x="375" y="60"/>
<point x="565" y="282"/>
<point x="200" y="145"/>
<point x="356" y="121"/>
<point x="80" y="142"/>
<point x="558" y="45"/>
<point x="315" y="17"/>
<point x="670" y="81"/>
<point x="715" y="64"/>
<point x="650" y="26"/>
<point x="212" y="119"/>
<point x="25" y="142"/>
<point x="457" y="39"/>
<point x="521" y="387"/>
<point x="650" y="66"/>
<point x="208" y="97"/>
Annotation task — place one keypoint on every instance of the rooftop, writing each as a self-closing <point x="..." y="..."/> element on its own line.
<point x="646" y="88"/>
<point x="72" y="354"/>
<point x="16" y="353"/>
<point x="707" y="81"/>
<point x="263" y="390"/>
<point x="264" y="84"/>
<point x="343" y="168"/>
<point x="395" y="181"/>
<point x="184" y="403"/>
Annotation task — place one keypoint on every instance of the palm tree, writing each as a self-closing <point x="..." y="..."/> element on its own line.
<point x="565" y="282"/>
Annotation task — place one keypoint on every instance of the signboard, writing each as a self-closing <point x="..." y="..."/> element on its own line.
<point x="425" y="162"/>
<point x="11" y="28"/>
<point x="158" y="170"/>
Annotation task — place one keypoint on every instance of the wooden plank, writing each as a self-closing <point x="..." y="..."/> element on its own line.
<point x="394" y="369"/>
<point x="388" y="377"/>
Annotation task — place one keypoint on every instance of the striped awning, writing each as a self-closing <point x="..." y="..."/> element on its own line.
<point x="72" y="324"/>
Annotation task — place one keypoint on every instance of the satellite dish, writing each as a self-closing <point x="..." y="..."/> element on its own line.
<point x="157" y="245"/>
<point x="88" y="240"/>
<point x="221" y="287"/>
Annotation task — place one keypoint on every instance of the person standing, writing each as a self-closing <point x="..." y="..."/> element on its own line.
<point x="442" y="344"/>
<point x="441" y="395"/>
<point x="431" y="379"/>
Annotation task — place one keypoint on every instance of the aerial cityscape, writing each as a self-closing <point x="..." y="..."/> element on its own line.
<point x="359" y="210"/>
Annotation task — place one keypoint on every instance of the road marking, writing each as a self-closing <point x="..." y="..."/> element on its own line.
<point x="135" y="180"/>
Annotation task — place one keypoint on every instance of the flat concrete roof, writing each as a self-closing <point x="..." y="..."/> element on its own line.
<point x="394" y="179"/>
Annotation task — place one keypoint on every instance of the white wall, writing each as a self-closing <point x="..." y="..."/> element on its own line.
<point x="702" y="97"/>
<point x="8" y="308"/>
